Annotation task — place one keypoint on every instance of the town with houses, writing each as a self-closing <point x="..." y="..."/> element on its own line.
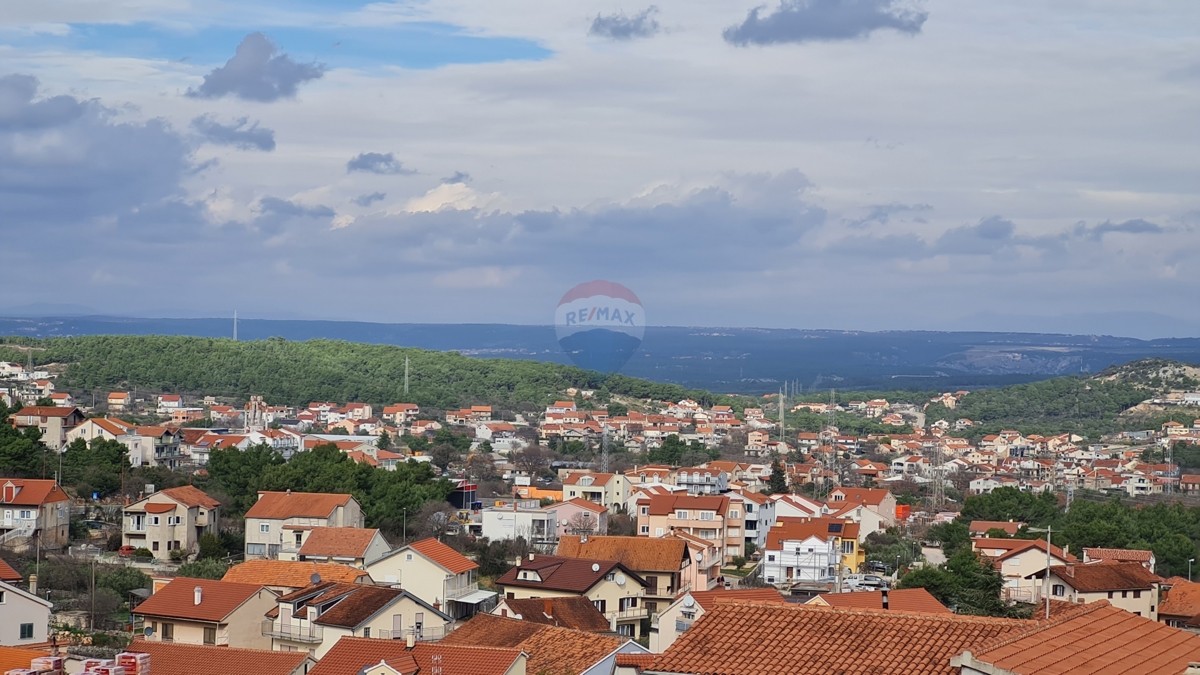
<point x="725" y="569"/>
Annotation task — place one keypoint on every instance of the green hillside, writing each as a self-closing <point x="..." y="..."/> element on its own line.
<point x="294" y="373"/>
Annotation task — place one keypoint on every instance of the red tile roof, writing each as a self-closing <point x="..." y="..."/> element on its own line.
<point x="351" y="654"/>
<point x="551" y="650"/>
<point x="1106" y="577"/>
<point x="1014" y="546"/>
<point x="280" y="505"/>
<point x="32" y="492"/>
<point x="576" y="613"/>
<point x="1098" y="638"/>
<point x="9" y="575"/>
<point x="362" y="603"/>
<point x="639" y="662"/>
<point x="761" y="596"/>
<point x="46" y="411"/>
<point x="350" y="542"/>
<point x="598" y="479"/>
<point x="802" y="640"/>
<point x="1120" y="554"/>
<point x="640" y="554"/>
<point x="796" y="529"/>
<point x="173" y="658"/>
<point x="981" y="527"/>
<point x="290" y="574"/>
<point x="662" y="505"/>
<point x="13" y="658"/>
<point x="191" y="497"/>
<point x="218" y="599"/>
<point x="872" y="496"/>
<point x="1182" y="601"/>
<point x="590" y="506"/>
<point x="453" y="561"/>
<point x="571" y="575"/>
<point x="908" y="600"/>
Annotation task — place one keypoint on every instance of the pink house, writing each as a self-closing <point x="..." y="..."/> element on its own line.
<point x="575" y="514"/>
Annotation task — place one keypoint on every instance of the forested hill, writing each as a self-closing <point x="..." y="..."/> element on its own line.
<point x="287" y="372"/>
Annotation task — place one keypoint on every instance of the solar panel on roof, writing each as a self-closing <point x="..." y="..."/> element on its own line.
<point x="835" y="527"/>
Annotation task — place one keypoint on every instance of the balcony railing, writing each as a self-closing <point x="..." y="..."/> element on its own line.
<point x="426" y="634"/>
<point x="456" y="592"/>
<point x="682" y="625"/>
<point x="295" y="633"/>
<point x="628" y="614"/>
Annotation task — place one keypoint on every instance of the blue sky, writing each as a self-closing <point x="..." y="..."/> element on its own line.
<point x="858" y="164"/>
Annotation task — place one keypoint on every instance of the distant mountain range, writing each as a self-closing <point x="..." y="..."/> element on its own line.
<point x="734" y="360"/>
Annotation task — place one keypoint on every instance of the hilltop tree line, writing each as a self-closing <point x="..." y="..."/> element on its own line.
<point x="295" y="373"/>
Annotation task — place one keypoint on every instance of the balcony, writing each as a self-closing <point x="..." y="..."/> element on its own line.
<point x="631" y="614"/>
<point x="682" y="625"/>
<point x="456" y="592"/>
<point x="295" y="633"/>
<point x="425" y="634"/>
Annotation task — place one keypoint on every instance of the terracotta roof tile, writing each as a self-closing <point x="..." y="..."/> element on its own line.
<point x="907" y="600"/>
<point x="1119" y="554"/>
<point x="1014" y="546"/>
<point x="576" y="613"/>
<point x="551" y="650"/>
<point x="167" y="658"/>
<point x="590" y="506"/>
<point x="637" y="661"/>
<point x="13" y="658"/>
<point x="290" y="574"/>
<point x="349" y="542"/>
<point x="351" y="654"/>
<point x="1182" y="600"/>
<point x="1106" y="576"/>
<point x="982" y="526"/>
<point x="802" y="640"/>
<point x="1098" y="639"/>
<point x="9" y="575"/>
<point x="33" y="492"/>
<point x="640" y="554"/>
<point x="661" y="505"/>
<point x="797" y="529"/>
<point x="872" y="496"/>
<point x="280" y="505"/>
<point x="574" y="575"/>
<point x="598" y="479"/>
<point x="218" y="599"/>
<point x="360" y="604"/>
<point x="453" y="561"/>
<point x="761" y="596"/>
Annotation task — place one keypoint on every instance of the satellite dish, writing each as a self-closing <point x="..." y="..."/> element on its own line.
<point x="595" y="567"/>
<point x="699" y="557"/>
<point x="620" y="579"/>
<point x="315" y="579"/>
<point x="148" y="631"/>
<point x="565" y="522"/>
<point x="689" y="601"/>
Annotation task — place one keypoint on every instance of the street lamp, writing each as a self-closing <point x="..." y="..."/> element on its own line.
<point x="1046" y="584"/>
<point x="1190" y="561"/>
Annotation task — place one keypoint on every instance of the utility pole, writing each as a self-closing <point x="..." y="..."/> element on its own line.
<point x="406" y="375"/>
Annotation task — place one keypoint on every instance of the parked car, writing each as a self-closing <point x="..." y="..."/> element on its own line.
<point x="878" y="567"/>
<point x="126" y="551"/>
<point x="866" y="582"/>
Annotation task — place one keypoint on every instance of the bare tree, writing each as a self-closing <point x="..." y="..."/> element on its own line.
<point x="583" y="523"/>
<point x="532" y="459"/>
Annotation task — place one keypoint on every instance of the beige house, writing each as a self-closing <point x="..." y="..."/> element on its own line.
<point x="613" y="588"/>
<point x="120" y="401"/>
<point x="24" y="617"/>
<point x="1019" y="560"/>
<point x="663" y="563"/>
<point x="715" y="518"/>
<point x="435" y="573"/>
<point x="314" y="618"/>
<point x="206" y="612"/>
<point x="351" y="546"/>
<point x="33" y="511"/>
<point x="276" y="524"/>
<point x="172" y="519"/>
<point x="108" y="428"/>
<point x="1127" y="586"/>
<point x="606" y="489"/>
<point x="54" y="422"/>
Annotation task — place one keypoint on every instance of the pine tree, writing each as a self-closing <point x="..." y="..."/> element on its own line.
<point x="778" y="481"/>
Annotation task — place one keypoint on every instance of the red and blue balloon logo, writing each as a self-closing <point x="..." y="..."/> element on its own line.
<point x="600" y="325"/>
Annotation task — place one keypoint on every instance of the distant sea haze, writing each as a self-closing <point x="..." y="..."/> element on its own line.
<point x="734" y="360"/>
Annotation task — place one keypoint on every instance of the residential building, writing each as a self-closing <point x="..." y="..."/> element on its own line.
<point x="107" y="428"/>
<point x="580" y="516"/>
<point x="575" y="612"/>
<point x="1125" y="585"/>
<point x="437" y="574"/>
<point x="1018" y="561"/>
<point x="24" y="617"/>
<point x="759" y="516"/>
<point x="163" y="447"/>
<point x="1144" y="558"/>
<point x="206" y="612"/>
<point x="33" y="510"/>
<point x="352" y="546"/>
<point x="662" y="562"/>
<point x="810" y="550"/>
<point x="689" y="607"/>
<point x="279" y="519"/>
<point x="551" y="649"/>
<point x="879" y="501"/>
<point x="285" y="576"/>
<point x="704" y="572"/>
<point x="401" y="413"/>
<point x="316" y="617"/>
<point x="611" y="586"/>
<point x="524" y="519"/>
<point x="169" y="520"/>
<point x="368" y="656"/>
<point x="1180" y="604"/>
<point x="702" y="481"/>
<point x="715" y="518"/>
<point x="173" y="658"/>
<point x="907" y="600"/>
<point x="54" y="422"/>
<point x="606" y="489"/>
<point x="120" y="401"/>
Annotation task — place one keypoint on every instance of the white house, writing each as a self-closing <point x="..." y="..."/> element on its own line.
<point x="435" y="573"/>
<point x="24" y="617"/>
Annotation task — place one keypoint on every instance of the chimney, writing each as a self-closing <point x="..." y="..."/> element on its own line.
<point x="583" y="538"/>
<point x="196" y="595"/>
<point x="33" y="584"/>
<point x="531" y="555"/>
<point x="885" y="598"/>
<point x="547" y="607"/>
<point x="410" y="641"/>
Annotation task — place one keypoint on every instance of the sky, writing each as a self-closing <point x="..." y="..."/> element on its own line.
<point x="846" y="164"/>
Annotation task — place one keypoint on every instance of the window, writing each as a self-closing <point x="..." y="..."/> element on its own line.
<point x="1" y="597"/>
<point x="681" y="515"/>
<point x="1137" y="594"/>
<point x="749" y="508"/>
<point x="600" y="605"/>
<point x="610" y="576"/>
<point x="27" y="515"/>
<point x="707" y="515"/>
<point x="1059" y="590"/>
<point x="367" y="631"/>
<point x="407" y="557"/>
<point x="847" y="546"/>
<point x="256" y="549"/>
<point x="658" y="532"/>
<point x="770" y="557"/>
<point x="645" y="529"/>
<point x="153" y="520"/>
<point x="735" y="514"/>
<point x="770" y="580"/>
<point x="154" y="546"/>
<point x="645" y="511"/>
<point x="168" y="632"/>
<point x="26" y="631"/>
<point x="1124" y="594"/>
<point x="210" y="635"/>
<point x="264" y="528"/>
<point x="572" y="493"/>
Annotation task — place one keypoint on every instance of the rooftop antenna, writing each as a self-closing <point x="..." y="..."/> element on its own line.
<point x="406" y="375"/>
